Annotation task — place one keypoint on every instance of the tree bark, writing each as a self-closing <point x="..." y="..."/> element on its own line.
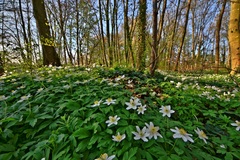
<point x="234" y="36"/>
<point x="218" y="28"/>
<point x="183" y="36"/>
<point x="50" y="56"/>
<point x="154" y="38"/>
<point x="110" y="54"/>
<point x="170" y="52"/>
<point x="102" y="33"/>
<point x="1" y="67"/>
<point x="141" y="57"/>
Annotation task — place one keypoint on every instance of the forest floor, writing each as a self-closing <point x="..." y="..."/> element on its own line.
<point x="95" y="113"/>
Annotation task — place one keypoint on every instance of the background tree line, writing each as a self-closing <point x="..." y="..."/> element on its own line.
<point x="159" y="34"/>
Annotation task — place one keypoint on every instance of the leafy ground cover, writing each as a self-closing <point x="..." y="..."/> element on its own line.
<point x="82" y="113"/>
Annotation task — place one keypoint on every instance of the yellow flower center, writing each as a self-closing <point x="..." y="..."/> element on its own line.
<point x="96" y="102"/>
<point x="182" y="131"/>
<point x="104" y="156"/>
<point x="238" y="123"/>
<point x="112" y="119"/>
<point x="109" y="99"/>
<point x="118" y="137"/>
<point x="132" y="102"/>
<point x="141" y="134"/>
<point x="202" y="134"/>
<point x="166" y="110"/>
<point x="153" y="129"/>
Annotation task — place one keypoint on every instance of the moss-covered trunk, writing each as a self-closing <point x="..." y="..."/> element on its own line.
<point x="141" y="57"/>
<point x="49" y="53"/>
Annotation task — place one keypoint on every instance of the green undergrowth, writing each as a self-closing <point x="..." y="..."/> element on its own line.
<point x="49" y="113"/>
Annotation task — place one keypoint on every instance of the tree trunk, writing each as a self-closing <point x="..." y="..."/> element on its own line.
<point x="50" y="56"/>
<point x="183" y="36"/>
<point x="77" y="33"/>
<point x="1" y="67"/>
<point x="154" y="38"/>
<point x="234" y="36"/>
<point x="63" y="33"/>
<point x="25" y="37"/>
<point x="102" y="33"/>
<point x="170" y="52"/>
<point x="110" y="54"/>
<point x="218" y="28"/>
<point x="2" y="60"/>
<point x="141" y="57"/>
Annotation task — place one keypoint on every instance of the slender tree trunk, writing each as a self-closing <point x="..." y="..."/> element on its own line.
<point x="77" y="32"/>
<point x="218" y="28"/>
<point x="49" y="53"/>
<point x="234" y="36"/>
<point x="154" y="38"/>
<point x="110" y="54"/>
<point x="1" y="67"/>
<point x="102" y="33"/>
<point x="63" y="33"/>
<point x="26" y="34"/>
<point x="141" y="57"/>
<point x="18" y="37"/>
<point x="170" y="52"/>
<point x="162" y="21"/>
<point x="193" y="46"/>
<point x="30" y="34"/>
<point x="25" y="37"/>
<point x="2" y="58"/>
<point x="183" y="36"/>
<point x="125" y="24"/>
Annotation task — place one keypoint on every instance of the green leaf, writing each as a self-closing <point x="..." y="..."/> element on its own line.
<point x="33" y="122"/>
<point x="125" y="156"/>
<point x="7" y="148"/>
<point x="178" y="151"/>
<point x="26" y="145"/>
<point x="236" y="154"/>
<point x="126" y="147"/>
<point x="122" y="123"/>
<point x="147" y="155"/>
<point x="73" y="140"/>
<point x="175" y="157"/>
<point x="82" y="133"/>
<point x="82" y="146"/>
<point x="6" y="156"/>
<point x="149" y="143"/>
<point x="60" y="138"/>
<point x="94" y="139"/>
<point x="45" y="116"/>
<point x="228" y="156"/>
<point x="72" y="105"/>
<point x="132" y="152"/>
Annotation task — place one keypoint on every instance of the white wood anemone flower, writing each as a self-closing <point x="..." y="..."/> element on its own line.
<point x="133" y="104"/>
<point x="181" y="133"/>
<point x="166" y="111"/>
<point x="96" y="103"/>
<point x="112" y="120"/>
<point x="153" y="131"/>
<point x="141" y="109"/>
<point x="237" y="124"/>
<point x="106" y="157"/>
<point x="141" y="134"/>
<point x="110" y="101"/>
<point x="201" y="135"/>
<point x="118" y="137"/>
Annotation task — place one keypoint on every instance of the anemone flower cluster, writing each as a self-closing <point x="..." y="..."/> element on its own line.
<point x="136" y="104"/>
